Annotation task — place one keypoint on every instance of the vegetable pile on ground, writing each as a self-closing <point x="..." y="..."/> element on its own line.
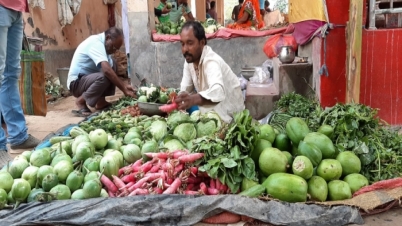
<point x="304" y="153"/>
<point x="356" y="128"/>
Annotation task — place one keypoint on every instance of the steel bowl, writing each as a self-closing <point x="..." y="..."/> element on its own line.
<point x="286" y="55"/>
<point x="150" y="109"/>
<point x="247" y="74"/>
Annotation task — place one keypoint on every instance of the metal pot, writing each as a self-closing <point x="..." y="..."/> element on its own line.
<point x="286" y="55"/>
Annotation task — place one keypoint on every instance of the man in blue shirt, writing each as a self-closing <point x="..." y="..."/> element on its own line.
<point x="91" y="77"/>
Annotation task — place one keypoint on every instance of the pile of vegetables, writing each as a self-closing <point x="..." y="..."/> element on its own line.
<point x="357" y="128"/>
<point x="169" y="28"/>
<point x="304" y="153"/>
<point x="172" y="28"/>
<point x="155" y="94"/>
<point x="211" y="26"/>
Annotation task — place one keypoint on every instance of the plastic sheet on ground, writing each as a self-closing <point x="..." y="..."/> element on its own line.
<point x="222" y="33"/>
<point x="175" y="210"/>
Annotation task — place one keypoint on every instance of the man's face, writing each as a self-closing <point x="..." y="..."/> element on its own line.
<point x="112" y="45"/>
<point x="190" y="46"/>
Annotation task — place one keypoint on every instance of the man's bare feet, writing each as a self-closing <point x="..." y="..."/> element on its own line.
<point x="83" y="109"/>
<point x="102" y="104"/>
<point x="81" y="103"/>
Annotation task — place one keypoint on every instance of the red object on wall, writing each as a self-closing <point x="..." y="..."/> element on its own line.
<point x="381" y="67"/>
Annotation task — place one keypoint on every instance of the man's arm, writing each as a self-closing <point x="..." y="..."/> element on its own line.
<point x="111" y="75"/>
<point x="233" y="13"/>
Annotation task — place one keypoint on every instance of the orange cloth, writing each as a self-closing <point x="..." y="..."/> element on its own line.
<point x="255" y="18"/>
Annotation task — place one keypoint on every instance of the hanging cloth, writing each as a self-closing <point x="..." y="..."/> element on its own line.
<point x="37" y="3"/>
<point x="66" y="10"/>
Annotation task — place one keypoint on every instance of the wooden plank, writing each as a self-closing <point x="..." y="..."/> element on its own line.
<point x="354" y="51"/>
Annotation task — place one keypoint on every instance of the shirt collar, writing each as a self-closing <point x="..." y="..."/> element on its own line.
<point x="205" y="51"/>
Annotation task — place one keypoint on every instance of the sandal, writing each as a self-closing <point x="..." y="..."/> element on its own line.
<point x="84" y="112"/>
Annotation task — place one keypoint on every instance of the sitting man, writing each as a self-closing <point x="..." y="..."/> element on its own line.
<point x="180" y="8"/>
<point x="91" y="77"/>
<point x="218" y="88"/>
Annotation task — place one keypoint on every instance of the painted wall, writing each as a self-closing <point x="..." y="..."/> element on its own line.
<point x="59" y="44"/>
<point x="381" y="79"/>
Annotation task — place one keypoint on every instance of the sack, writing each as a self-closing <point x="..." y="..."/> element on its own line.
<point x="32" y="84"/>
<point x="274" y="44"/>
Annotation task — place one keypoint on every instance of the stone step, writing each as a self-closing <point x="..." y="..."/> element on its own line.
<point x="260" y="99"/>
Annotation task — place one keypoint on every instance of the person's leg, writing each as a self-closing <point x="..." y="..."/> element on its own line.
<point x="93" y="88"/>
<point x="11" y="32"/>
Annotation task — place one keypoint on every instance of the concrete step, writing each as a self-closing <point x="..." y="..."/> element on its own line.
<point x="260" y="99"/>
<point x="294" y="77"/>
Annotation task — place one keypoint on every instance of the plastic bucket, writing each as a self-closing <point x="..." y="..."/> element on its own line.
<point x="63" y="75"/>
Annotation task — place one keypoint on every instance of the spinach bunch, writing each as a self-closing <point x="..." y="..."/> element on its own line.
<point x="228" y="159"/>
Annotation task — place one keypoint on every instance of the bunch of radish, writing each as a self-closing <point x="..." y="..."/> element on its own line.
<point x="165" y="173"/>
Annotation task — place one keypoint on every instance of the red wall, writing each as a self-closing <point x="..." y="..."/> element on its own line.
<point x="381" y="70"/>
<point x="381" y="73"/>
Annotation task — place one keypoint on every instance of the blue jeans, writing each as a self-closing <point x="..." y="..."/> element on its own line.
<point x="11" y="32"/>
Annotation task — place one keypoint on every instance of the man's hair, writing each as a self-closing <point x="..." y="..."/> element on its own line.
<point x="114" y="32"/>
<point x="212" y="4"/>
<point x="241" y="1"/>
<point x="266" y="3"/>
<point x="198" y="30"/>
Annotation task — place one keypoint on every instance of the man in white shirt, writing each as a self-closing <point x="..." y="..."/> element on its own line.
<point x="208" y="82"/>
<point x="91" y="77"/>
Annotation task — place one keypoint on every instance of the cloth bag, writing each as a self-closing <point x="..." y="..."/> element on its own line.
<point x="32" y="83"/>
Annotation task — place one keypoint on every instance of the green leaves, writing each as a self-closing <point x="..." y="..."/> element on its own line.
<point x="228" y="159"/>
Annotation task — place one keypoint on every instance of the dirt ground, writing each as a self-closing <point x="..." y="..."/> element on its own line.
<point x="59" y="114"/>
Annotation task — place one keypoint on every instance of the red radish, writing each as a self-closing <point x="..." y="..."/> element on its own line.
<point x="169" y="181"/>
<point x="125" y="170"/>
<point x="129" y="178"/>
<point x="118" y="182"/>
<point x="154" y="169"/>
<point x="194" y="170"/>
<point x="129" y="184"/>
<point x="136" y="165"/>
<point x="203" y="188"/>
<point x="173" y="187"/>
<point x="178" y="168"/>
<point x="190" y="157"/>
<point x="212" y="184"/>
<point x="153" y="176"/>
<point x="177" y="154"/>
<point x="138" y="184"/>
<point x="146" y="167"/>
<point x="169" y="107"/>
<point x="213" y="191"/>
<point x="189" y="192"/>
<point x="111" y="194"/>
<point x="108" y="184"/>
<point x="139" y="191"/>
<point x="158" y="190"/>
<point x="194" y="180"/>
<point x="159" y="155"/>
<point x="218" y="184"/>
<point x="190" y="187"/>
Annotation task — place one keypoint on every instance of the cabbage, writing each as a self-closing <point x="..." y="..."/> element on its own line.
<point x="176" y="118"/>
<point x="206" y="128"/>
<point x="173" y="145"/>
<point x="158" y="129"/>
<point x="195" y="115"/>
<point x="185" y="132"/>
<point x="214" y="115"/>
